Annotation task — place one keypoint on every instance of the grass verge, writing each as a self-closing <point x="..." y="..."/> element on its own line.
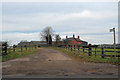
<point x="83" y="57"/>
<point x="18" y="54"/>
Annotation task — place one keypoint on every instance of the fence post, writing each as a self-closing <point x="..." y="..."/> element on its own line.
<point x="65" y="47"/>
<point x="102" y="53"/>
<point x="89" y="49"/>
<point x="83" y="49"/>
<point x="78" y="48"/>
<point x="74" y="49"/>
<point x="14" y="48"/>
<point x="26" y="47"/>
<point x="71" y="48"/>
<point x="95" y="51"/>
<point x="35" y="46"/>
<point x="68" y="47"/>
<point x="21" y="49"/>
<point x="6" y="50"/>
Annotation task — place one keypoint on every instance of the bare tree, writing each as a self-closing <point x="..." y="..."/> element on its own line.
<point x="47" y="34"/>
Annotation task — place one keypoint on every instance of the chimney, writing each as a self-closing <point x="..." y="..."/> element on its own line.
<point x="66" y="37"/>
<point x="73" y="36"/>
<point x="78" y="37"/>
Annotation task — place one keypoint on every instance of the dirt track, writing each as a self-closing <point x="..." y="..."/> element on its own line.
<point x="52" y="63"/>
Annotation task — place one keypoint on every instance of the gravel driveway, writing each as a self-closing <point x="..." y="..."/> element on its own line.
<point x="54" y="64"/>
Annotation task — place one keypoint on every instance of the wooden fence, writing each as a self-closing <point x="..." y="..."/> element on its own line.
<point x="12" y="49"/>
<point x="98" y="51"/>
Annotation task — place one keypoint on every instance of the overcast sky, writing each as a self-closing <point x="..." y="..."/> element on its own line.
<point x="90" y="20"/>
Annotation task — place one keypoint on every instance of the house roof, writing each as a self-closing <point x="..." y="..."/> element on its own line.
<point x="68" y="40"/>
<point x="79" y="40"/>
<point x="71" y="38"/>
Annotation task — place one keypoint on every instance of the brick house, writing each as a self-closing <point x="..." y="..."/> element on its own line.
<point x="74" y="41"/>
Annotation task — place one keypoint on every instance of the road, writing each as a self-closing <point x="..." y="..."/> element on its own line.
<point x="49" y="63"/>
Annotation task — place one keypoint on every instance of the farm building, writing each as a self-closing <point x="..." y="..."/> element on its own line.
<point x="38" y="43"/>
<point x="59" y="43"/>
<point x="74" y="41"/>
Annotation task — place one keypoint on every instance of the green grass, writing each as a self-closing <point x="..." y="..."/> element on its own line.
<point x="12" y="55"/>
<point x="83" y="57"/>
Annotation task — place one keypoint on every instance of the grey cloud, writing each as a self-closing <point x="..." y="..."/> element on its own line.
<point x="63" y="17"/>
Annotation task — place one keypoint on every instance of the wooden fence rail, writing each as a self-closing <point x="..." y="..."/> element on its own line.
<point x="12" y="49"/>
<point x="89" y="50"/>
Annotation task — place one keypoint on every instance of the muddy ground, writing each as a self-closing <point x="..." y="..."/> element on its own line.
<point x="54" y="64"/>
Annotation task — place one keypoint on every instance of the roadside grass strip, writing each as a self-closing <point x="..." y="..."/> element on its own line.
<point x="84" y="57"/>
<point x="17" y="54"/>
